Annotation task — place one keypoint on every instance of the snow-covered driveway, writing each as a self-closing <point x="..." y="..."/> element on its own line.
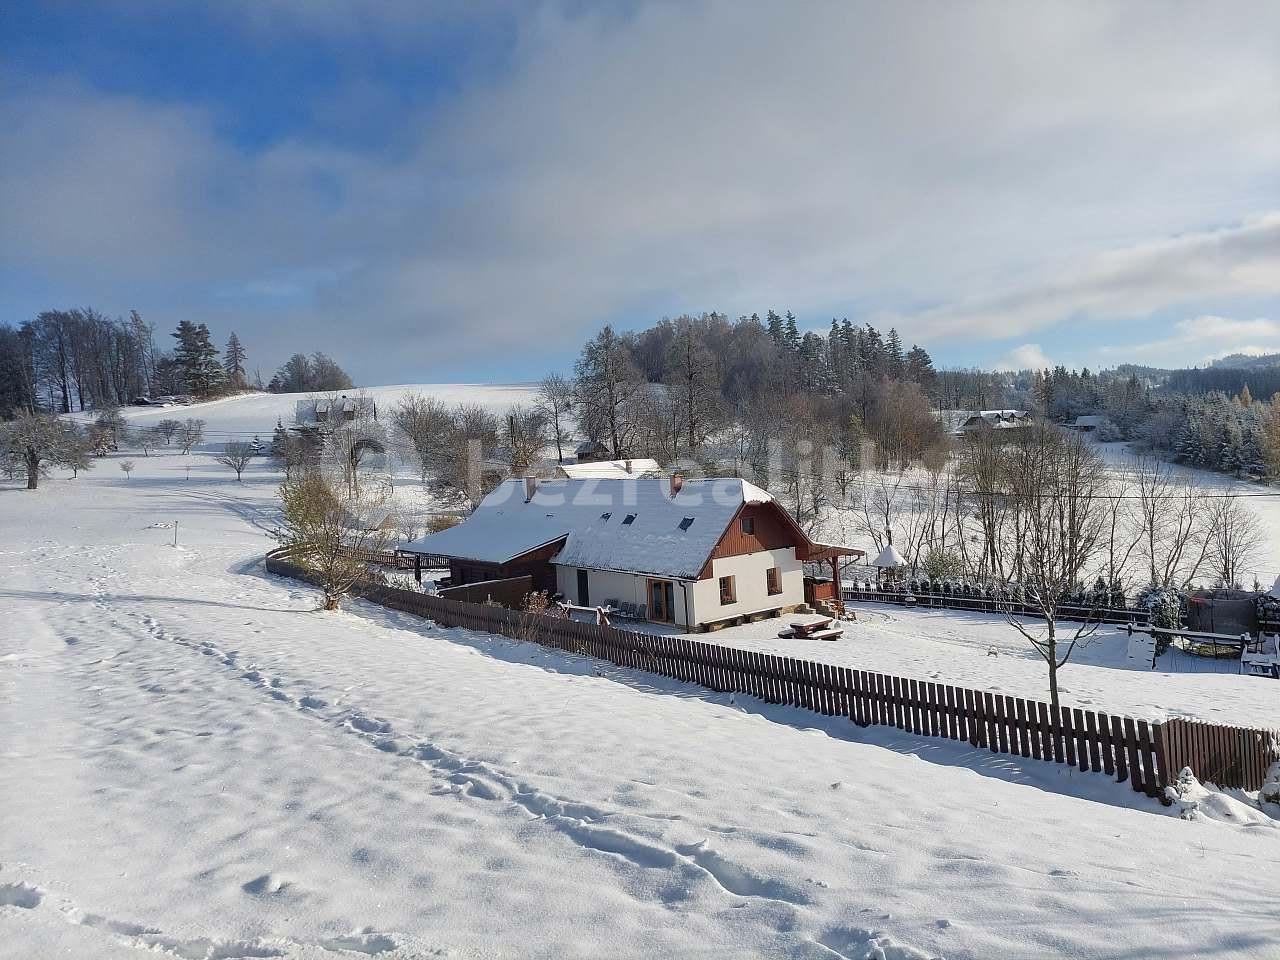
<point x="197" y="763"/>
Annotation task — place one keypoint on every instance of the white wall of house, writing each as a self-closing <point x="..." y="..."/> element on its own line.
<point x="605" y="585"/>
<point x="751" y="585"/>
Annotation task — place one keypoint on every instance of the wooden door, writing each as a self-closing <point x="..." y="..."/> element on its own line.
<point x="584" y="595"/>
<point x="662" y="606"/>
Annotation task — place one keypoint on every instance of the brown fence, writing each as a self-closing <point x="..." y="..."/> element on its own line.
<point x="509" y="592"/>
<point x="1148" y="755"/>
<point x="1004" y="607"/>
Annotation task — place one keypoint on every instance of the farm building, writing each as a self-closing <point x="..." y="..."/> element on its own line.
<point x="589" y="451"/>
<point x="697" y="553"/>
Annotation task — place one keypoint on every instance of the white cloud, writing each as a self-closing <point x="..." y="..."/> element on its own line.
<point x="834" y="158"/>
<point x="1029" y="356"/>
<point x="1237" y="261"/>
<point x="1198" y="340"/>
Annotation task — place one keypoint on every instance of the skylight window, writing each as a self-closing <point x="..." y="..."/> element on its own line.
<point x="605" y="516"/>
<point x="686" y="523"/>
<point x="628" y="519"/>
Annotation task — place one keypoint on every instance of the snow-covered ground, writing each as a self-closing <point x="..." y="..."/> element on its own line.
<point x="984" y="652"/>
<point x="198" y="764"/>
<point x="1262" y="500"/>
<point x="242" y="417"/>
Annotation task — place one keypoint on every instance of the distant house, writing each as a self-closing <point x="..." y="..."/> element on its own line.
<point x="315" y="419"/>
<point x="1093" y="424"/>
<point x="697" y="553"/>
<point x="589" y="451"/>
<point x="964" y="423"/>
<point x="609" y="469"/>
<point x="328" y="411"/>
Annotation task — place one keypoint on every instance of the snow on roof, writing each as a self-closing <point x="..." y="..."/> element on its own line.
<point x="632" y="525"/>
<point x="889" y="557"/>
<point x="611" y="469"/>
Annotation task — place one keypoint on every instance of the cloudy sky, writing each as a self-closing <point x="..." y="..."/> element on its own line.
<point x="464" y="190"/>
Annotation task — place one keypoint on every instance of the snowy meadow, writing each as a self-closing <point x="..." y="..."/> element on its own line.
<point x="199" y="764"/>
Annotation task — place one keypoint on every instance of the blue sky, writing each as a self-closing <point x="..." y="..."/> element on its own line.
<point x="466" y="190"/>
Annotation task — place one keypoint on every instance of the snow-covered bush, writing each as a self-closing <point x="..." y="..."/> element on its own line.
<point x="406" y="581"/>
<point x="1270" y="792"/>
<point x="1165" y="608"/>
<point x="939" y="565"/>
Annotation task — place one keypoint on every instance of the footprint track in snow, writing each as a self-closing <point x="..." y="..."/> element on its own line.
<point x="580" y="823"/>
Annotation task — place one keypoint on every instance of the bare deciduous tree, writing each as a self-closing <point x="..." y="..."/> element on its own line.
<point x="1234" y="536"/>
<point x="39" y="441"/>
<point x="555" y="400"/>
<point x="423" y="422"/>
<point x="1057" y="480"/>
<point x="168" y="429"/>
<point x="189" y="434"/>
<point x="1174" y="538"/>
<point x="237" y="455"/>
<point x="127" y="466"/>
<point x="525" y="435"/>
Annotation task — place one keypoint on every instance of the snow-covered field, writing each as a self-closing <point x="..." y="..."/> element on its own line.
<point x="984" y="652"/>
<point x="1261" y="499"/>
<point x="243" y="417"/>
<point x="197" y="764"/>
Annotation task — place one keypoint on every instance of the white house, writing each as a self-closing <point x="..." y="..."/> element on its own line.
<point x="696" y="553"/>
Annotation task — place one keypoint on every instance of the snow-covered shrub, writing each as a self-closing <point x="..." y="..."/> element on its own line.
<point x="1270" y="792"/>
<point x="939" y="565"/>
<point x="406" y="581"/>
<point x="1165" y="608"/>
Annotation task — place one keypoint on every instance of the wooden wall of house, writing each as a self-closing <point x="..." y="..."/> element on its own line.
<point x="772" y="532"/>
<point x="535" y="564"/>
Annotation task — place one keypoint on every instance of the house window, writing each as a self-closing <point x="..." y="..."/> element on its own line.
<point x="728" y="591"/>
<point x="628" y="519"/>
<point x="748" y="525"/>
<point x="605" y="516"/>
<point x="773" y="580"/>
<point x="686" y="523"/>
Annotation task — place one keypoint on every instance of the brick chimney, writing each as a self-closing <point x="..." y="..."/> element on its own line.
<point x="530" y="488"/>
<point x="677" y="482"/>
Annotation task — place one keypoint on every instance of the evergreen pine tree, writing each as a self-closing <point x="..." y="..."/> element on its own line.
<point x="773" y="323"/>
<point x="233" y="363"/>
<point x="197" y="357"/>
<point x="279" y="441"/>
<point x="894" y="359"/>
<point x="791" y="333"/>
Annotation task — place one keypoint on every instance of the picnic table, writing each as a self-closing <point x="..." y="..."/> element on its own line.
<point x="820" y="628"/>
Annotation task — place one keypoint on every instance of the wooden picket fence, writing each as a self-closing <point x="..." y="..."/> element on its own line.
<point x="1005" y="607"/>
<point x="1148" y="755"/>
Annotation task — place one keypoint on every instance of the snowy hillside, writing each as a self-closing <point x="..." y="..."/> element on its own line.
<point x="243" y="417"/>
<point x="197" y="764"/>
